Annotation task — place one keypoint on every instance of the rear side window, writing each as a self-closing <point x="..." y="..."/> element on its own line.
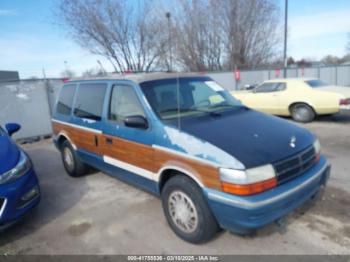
<point x="65" y="100"/>
<point x="315" y="83"/>
<point x="89" y="102"/>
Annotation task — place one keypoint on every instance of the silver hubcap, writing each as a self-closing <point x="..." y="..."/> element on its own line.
<point x="183" y="212"/>
<point x="301" y="113"/>
<point x="68" y="158"/>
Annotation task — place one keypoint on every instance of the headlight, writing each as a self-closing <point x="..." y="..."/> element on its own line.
<point x="317" y="147"/>
<point x="19" y="170"/>
<point x="249" y="181"/>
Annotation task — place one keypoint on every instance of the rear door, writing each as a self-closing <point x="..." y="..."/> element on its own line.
<point x="128" y="148"/>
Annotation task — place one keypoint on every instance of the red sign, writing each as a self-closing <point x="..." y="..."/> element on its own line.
<point x="237" y="74"/>
<point x="277" y="72"/>
<point x="127" y="72"/>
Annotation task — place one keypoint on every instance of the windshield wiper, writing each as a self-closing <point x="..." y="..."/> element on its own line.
<point x="213" y="113"/>
<point x="190" y="110"/>
<point x="222" y="104"/>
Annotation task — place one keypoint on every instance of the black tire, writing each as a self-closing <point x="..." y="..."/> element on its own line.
<point x="206" y="226"/>
<point x="76" y="168"/>
<point x="302" y="113"/>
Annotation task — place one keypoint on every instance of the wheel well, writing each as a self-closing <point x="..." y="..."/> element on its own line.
<point x="169" y="173"/>
<point x="301" y="103"/>
<point x="61" y="140"/>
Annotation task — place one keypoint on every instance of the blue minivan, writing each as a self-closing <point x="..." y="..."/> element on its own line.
<point x="214" y="162"/>
<point x="19" y="187"/>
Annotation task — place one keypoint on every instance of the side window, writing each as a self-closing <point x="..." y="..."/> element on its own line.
<point x="270" y="87"/>
<point x="124" y="102"/>
<point x="65" y="100"/>
<point x="281" y="87"/>
<point x="89" y="102"/>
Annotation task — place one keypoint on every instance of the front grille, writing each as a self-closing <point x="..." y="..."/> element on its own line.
<point x="294" y="166"/>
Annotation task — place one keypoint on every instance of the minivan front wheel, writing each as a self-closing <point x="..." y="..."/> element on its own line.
<point x="71" y="162"/>
<point x="186" y="210"/>
<point x="302" y="113"/>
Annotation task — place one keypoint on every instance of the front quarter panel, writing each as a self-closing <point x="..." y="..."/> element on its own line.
<point x="178" y="150"/>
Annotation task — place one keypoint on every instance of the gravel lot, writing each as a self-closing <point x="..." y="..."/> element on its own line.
<point x="98" y="214"/>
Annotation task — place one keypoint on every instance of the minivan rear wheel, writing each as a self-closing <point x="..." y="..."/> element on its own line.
<point x="302" y="113"/>
<point x="186" y="210"/>
<point x="71" y="161"/>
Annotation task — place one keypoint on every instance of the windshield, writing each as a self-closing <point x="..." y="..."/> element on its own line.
<point x="197" y="95"/>
<point x="316" y="83"/>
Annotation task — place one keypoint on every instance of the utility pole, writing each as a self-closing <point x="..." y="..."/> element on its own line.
<point x="285" y="39"/>
<point x="44" y="73"/>
<point x="168" y="16"/>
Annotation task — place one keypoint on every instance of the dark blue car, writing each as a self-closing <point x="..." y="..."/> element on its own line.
<point x="19" y="187"/>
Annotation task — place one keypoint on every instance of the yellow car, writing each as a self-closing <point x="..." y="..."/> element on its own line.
<point x="302" y="99"/>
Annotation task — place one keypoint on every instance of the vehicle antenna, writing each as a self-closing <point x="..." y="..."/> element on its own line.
<point x="178" y="100"/>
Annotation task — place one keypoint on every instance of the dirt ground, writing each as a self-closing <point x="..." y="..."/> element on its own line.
<point x="98" y="214"/>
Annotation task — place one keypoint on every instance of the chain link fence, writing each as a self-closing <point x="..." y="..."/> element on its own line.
<point x="30" y="102"/>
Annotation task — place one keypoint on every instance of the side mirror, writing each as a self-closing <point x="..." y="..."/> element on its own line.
<point x="136" y="122"/>
<point x="249" y="87"/>
<point x="12" y="128"/>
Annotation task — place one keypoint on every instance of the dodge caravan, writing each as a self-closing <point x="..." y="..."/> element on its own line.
<point x="214" y="162"/>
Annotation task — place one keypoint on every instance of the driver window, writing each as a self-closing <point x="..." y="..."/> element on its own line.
<point x="124" y="103"/>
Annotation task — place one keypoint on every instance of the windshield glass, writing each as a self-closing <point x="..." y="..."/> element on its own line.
<point x="316" y="83"/>
<point x="197" y="95"/>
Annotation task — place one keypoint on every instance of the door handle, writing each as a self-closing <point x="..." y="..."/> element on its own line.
<point x="109" y="141"/>
<point x="96" y="141"/>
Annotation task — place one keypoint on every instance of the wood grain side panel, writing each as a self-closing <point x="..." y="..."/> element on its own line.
<point x="130" y="152"/>
<point x="140" y="155"/>
<point x="153" y="159"/>
<point x="81" y="138"/>
<point x="207" y="174"/>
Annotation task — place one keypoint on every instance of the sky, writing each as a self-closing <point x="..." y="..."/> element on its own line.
<point x="31" y="42"/>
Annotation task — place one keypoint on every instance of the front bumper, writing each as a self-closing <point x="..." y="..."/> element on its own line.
<point x="18" y="197"/>
<point x="243" y="214"/>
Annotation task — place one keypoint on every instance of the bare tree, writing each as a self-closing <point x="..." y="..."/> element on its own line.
<point x="199" y="35"/>
<point x="331" y="60"/>
<point x="128" y="35"/>
<point x="206" y="34"/>
<point x="251" y="28"/>
<point x="93" y="72"/>
<point x="215" y="35"/>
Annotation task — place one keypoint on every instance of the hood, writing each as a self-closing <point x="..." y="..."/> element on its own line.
<point x="9" y="154"/>
<point x="251" y="137"/>
<point x="342" y="90"/>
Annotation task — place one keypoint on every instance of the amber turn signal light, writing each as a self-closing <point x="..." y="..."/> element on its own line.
<point x="249" y="189"/>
